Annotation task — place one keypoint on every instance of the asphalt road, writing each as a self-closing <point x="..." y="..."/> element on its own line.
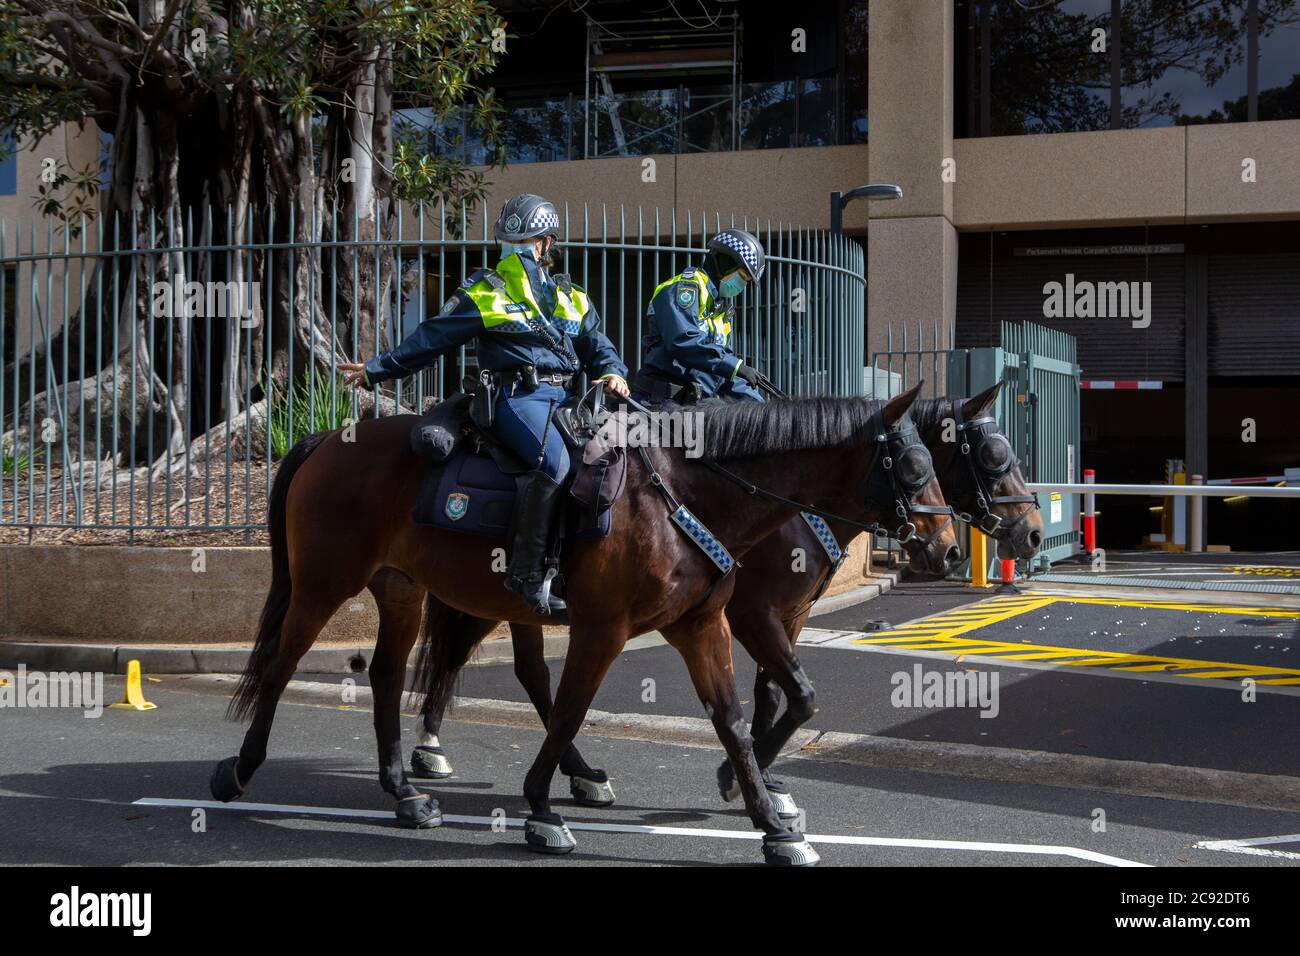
<point x="69" y="788"/>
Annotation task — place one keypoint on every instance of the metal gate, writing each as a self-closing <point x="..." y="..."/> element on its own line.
<point x="1038" y="411"/>
<point x="1038" y="408"/>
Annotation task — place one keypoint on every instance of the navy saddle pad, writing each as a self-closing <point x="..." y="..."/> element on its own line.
<point x="470" y="494"/>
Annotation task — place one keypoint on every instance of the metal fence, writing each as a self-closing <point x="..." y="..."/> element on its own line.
<point x="126" y="407"/>
<point x="1037" y="409"/>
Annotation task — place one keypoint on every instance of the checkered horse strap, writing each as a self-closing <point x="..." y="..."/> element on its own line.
<point x="694" y="529"/>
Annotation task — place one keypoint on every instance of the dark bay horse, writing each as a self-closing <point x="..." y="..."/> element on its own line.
<point x="340" y="521"/>
<point x="770" y="604"/>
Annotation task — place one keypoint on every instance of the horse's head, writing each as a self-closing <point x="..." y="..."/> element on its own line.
<point x="902" y="487"/>
<point x="983" y="482"/>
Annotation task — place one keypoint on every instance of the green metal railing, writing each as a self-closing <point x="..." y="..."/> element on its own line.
<point x="170" y="418"/>
<point x="1037" y="409"/>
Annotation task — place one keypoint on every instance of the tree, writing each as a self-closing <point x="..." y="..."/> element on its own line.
<point x="278" y="117"/>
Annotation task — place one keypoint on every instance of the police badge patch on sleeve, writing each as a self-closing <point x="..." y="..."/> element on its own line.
<point x="686" y="295"/>
<point x="451" y="305"/>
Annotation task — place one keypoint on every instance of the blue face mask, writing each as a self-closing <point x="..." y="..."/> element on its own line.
<point x="524" y="249"/>
<point x="732" y="285"/>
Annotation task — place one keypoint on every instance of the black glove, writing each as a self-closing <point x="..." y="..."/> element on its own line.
<point x="750" y="374"/>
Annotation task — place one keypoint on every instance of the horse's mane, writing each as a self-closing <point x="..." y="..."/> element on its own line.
<point x="744" y="429"/>
<point x="929" y="413"/>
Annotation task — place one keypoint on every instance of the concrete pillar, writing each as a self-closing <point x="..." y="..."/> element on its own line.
<point x="911" y="243"/>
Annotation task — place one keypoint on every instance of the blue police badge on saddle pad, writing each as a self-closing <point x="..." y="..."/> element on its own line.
<point x="457" y="506"/>
<point x="469" y="494"/>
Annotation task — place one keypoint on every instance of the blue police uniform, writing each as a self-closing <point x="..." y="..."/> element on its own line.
<point x="520" y="315"/>
<point x="689" y="338"/>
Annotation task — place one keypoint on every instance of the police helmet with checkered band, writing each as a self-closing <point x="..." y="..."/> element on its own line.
<point x="736" y="247"/>
<point x="526" y="217"/>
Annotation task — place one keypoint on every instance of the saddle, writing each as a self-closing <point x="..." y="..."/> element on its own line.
<point x="472" y="479"/>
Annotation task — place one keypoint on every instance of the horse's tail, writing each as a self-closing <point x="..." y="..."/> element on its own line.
<point x="437" y="665"/>
<point x="267" y="644"/>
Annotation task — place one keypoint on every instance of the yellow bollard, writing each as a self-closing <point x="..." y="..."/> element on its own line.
<point x="979" y="558"/>
<point x="134" y="699"/>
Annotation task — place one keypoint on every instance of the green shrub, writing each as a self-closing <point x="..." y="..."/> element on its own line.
<point x="320" y="404"/>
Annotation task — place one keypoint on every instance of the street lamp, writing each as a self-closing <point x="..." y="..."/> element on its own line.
<point x="872" y="191"/>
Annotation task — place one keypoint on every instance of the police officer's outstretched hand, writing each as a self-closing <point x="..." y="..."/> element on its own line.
<point x="750" y="374"/>
<point x="616" y="384"/>
<point x="354" y="373"/>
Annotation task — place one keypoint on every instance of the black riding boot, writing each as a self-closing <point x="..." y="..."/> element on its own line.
<point x="537" y="505"/>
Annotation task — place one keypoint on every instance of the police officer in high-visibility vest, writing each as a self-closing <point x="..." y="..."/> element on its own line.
<point x="535" y="332"/>
<point x="687" y="353"/>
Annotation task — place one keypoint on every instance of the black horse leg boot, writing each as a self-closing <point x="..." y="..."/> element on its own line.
<point x="536" y="507"/>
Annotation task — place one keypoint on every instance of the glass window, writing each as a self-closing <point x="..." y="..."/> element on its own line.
<point x="105" y="161"/>
<point x="634" y="124"/>
<point x="1182" y="62"/>
<point x="543" y="130"/>
<point x="706" y="119"/>
<point x="8" y="165"/>
<point x="1042" y="63"/>
<point x="817" y="112"/>
<point x="1037" y="66"/>
<point x="1279" y="60"/>
<point x="854" y="125"/>
<point x="767" y="115"/>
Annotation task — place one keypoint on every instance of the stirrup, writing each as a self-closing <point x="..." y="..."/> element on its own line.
<point x="536" y="591"/>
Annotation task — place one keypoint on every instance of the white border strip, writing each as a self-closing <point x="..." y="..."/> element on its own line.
<point x="517" y="823"/>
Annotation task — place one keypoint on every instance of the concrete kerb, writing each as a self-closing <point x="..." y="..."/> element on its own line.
<point x="327" y="659"/>
<point x="189" y="659"/>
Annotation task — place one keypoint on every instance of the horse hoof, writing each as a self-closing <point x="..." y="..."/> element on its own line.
<point x="224" y="782"/>
<point x="549" y="834"/>
<point x="782" y="802"/>
<point x="788" y="849"/>
<point x="592" y="790"/>
<point x="419" y="813"/>
<point x="727" y="785"/>
<point x="430" y="763"/>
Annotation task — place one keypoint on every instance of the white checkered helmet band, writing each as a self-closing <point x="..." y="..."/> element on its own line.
<point x="743" y="247"/>
<point x="526" y="217"/>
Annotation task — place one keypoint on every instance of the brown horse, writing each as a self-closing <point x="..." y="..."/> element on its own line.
<point x="340" y="520"/>
<point x="771" y="603"/>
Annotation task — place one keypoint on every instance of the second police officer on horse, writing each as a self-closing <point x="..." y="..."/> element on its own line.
<point x="687" y="353"/>
<point x="535" y="332"/>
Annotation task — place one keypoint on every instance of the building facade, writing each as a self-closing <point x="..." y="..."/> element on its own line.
<point x="1146" y="150"/>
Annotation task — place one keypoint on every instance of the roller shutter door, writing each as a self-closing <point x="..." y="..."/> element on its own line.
<point x="1109" y="348"/>
<point x="1254" y="313"/>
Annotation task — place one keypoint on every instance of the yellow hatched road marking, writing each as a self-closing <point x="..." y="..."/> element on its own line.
<point x="943" y="632"/>
<point x="1138" y="663"/>
<point x="1289" y="613"/>
<point x="952" y="623"/>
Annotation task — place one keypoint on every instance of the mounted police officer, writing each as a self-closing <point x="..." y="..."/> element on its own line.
<point x="535" y="332"/>
<point x="687" y="354"/>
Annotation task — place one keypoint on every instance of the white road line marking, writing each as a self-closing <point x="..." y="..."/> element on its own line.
<point x="1251" y="847"/>
<point x="518" y="823"/>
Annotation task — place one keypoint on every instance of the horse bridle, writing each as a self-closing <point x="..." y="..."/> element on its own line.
<point x="898" y="450"/>
<point x="988" y="456"/>
<point x="907" y="468"/>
